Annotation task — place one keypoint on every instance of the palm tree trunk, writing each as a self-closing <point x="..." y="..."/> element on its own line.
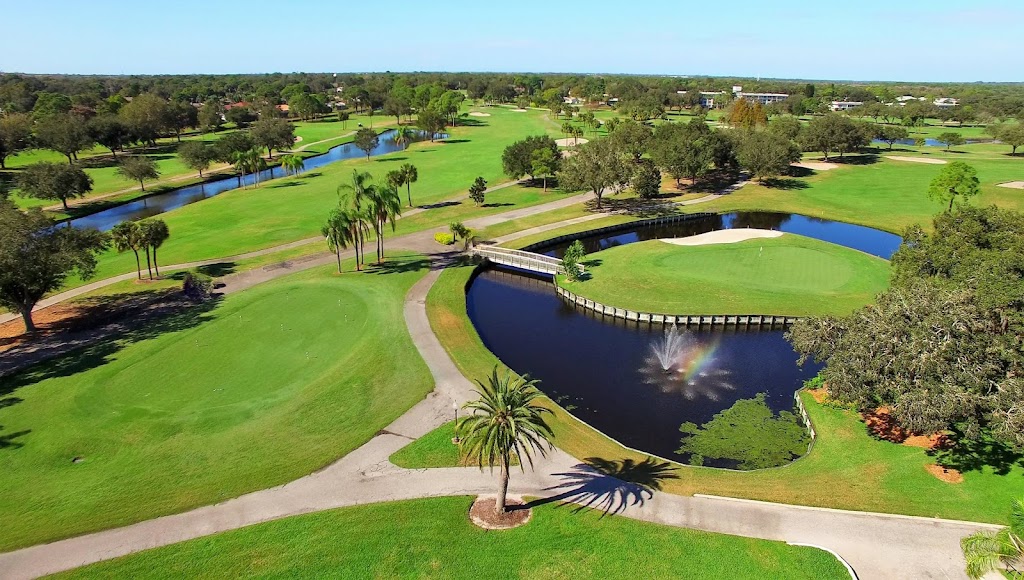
<point x="149" y="267"/>
<point x="142" y="185"/>
<point x="499" y="504"/>
<point x="408" y="192"/>
<point x="138" y="265"/>
<point x="156" y="265"/>
<point x="337" y="251"/>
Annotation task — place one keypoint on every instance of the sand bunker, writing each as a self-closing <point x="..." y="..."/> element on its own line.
<point x="816" y="165"/>
<point x="298" y="138"/>
<point x="570" y="142"/>
<point x="916" y="159"/>
<point x="479" y="114"/>
<point x="1013" y="184"/>
<point x="723" y="237"/>
<point x="518" y="110"/>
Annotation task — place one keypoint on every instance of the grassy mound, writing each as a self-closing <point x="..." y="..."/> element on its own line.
<point x="790" y="275"/>
<point x="269" y="385"/>
<point x="433" y="538"/>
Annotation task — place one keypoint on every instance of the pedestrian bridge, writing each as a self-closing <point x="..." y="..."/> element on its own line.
<point x="520" y="259"/>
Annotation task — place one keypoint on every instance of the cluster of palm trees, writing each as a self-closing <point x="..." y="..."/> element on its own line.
<point x="293" y="164"/>
<point x="248" y="161"/>
<point x="363" y="207"/>
<point x="573" y="131"/>
<point x="145" y="235"/>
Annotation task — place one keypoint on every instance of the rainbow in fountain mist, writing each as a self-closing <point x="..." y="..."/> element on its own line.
<point x="680" y="362"/>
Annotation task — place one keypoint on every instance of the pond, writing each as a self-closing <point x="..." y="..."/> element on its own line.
<point x="173" y="199"/>
<point x="609" y="372"/>
<point x="927" y="142"/>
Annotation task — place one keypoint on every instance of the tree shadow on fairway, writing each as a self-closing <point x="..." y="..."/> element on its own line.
<point x="74" y="352"/>
<point x="609" y="485"/>
<point x="643" y="208"/>
<point x="390" y="159"/>
<point x="310" y="175"/>
<point x="399" y="265"/>
<point x="862" y="159"/>
<point x="212" y="270"/>
<point x="440" y="204"/>
<point x="964" y="454"/>
<point x="9" y="441"/>
<point x="784" y="183"/>
<point x="454" y="141"/>
<point x="280" y="184"/>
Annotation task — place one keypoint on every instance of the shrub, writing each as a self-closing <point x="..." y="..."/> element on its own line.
<point x="444" y="238"/>
<point x="197" y="287"/>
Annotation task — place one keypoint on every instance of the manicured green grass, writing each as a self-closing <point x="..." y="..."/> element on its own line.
<point x="433" y="538"/>
<point x="267" y="386"/>
<point x="789" y="275"/>
<point x="887" y="194"/>
<point x="847" y="468"/>
<point x="435" y="449"/>
<point x="294" y="208"/>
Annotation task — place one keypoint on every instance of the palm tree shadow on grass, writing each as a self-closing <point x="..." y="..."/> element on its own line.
<point x="609" y="485"/>
<point x="399" y="265"/>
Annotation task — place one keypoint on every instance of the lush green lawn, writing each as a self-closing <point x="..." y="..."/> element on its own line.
<point x="433" y="538"/>
<point x="294" y="208"/>
<point x="269" y="385"/>
<point x="887" y="194"/>
<point x="847" y="468"/>
<point x="789" y="275"/>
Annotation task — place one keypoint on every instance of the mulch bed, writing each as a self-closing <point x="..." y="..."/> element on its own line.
<point x="482" y="514"/>
<point x="882" y="424"/>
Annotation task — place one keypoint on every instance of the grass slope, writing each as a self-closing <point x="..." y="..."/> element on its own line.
<point x="433" y="538"/>
<point x="271" y="384"/>
<point x="790" y="275"/>
<point x="847" y="468"/>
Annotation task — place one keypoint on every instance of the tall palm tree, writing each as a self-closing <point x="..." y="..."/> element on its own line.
<point x="356" y="196"/>
<point x="988" y="551"/>
<point x="128" y="236"/>
<point x="403" y="136"/>
<point x="386" y="206"/>
<point x="410" y="176"/>
<point x="154" y="233"/>
<point x="506" y="423"/>
<point x="293" y="164"/>
<point x="339" y="232"/>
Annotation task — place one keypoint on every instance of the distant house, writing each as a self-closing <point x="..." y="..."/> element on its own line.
<point x="707" y="98"/>
<point x="763" y="98"/>
<point x="283" y="108"/>
<point x="230" y="106"/>
<point x="571" y="100"/>
<point x="845" y="105"/>
<point x="946" y="102"/>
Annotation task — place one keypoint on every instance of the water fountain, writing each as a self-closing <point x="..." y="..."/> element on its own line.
<point x="679" y="362"/>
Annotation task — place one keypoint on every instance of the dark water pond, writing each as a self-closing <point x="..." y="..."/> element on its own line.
<point x="163" y="202"/>
<point x="928" y="142"/>
<point x="610" y="373"/>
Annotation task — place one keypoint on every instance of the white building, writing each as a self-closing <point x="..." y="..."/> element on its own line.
<point x="707" y="98"/>
<point x="763" y="98"/>
<point x="945" y="102"/>
<point x="845" y="105"/>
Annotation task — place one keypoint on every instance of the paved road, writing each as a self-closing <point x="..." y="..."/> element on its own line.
<point x="876" y="545"/>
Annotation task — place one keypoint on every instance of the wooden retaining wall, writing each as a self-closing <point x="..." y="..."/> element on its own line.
<point x="675" y="319"/>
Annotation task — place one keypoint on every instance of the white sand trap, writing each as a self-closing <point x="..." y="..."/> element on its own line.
<point x="298" y="138"/>
<point x="917" y="159"/>
<point x="1013" y="184"/>
<point x="570" y="142"/>
<point x="518" y="110"/>
<point x="816" y="165"/>
<point x="479" y="114"/>
<point x="723" y="237"/>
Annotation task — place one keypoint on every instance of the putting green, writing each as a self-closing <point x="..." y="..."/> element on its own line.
<point x="789" y="275"/>
<point x="433" y="538"/>
<point x="267" y="386"/>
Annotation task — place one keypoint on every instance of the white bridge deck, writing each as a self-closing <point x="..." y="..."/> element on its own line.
<point x="520" y="259"/>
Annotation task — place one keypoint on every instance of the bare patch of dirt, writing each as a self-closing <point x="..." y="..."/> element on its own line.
<point x="482" y="514"/>
<point x="882" y="424"/>
<point x="820" y="395"/>
<point x="944" y="473"/>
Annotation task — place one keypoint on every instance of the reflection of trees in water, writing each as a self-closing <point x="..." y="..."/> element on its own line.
<point x="760" y="220"/>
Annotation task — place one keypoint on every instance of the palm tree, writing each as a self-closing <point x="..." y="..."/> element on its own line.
<point x="127" y="236"/>
<point x="386" y="205"/>
<point x="403" y="136"/>
<point x="987" y="551"/>
<point x="154" y="233"/>
<point x="240" y="161"/>
<point x="339" y="232"/>
<point x="506" y="423"/>
<point x="293" y="164"/>
<point x="357" y="196"/>
<point x="410" y="176"/>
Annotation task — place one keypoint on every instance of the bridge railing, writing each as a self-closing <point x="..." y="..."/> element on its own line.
<point x="521" y="259"/>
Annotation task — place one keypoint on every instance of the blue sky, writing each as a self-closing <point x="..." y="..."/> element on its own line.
<point x="937" y="40"/>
